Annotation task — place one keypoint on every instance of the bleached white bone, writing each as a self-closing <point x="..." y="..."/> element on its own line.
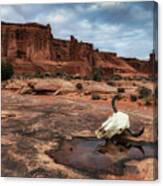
<point x="114" y="125"/>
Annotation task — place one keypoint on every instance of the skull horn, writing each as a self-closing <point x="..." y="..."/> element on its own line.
<point x="135" y="133"/>
<point x="116" y="97"/>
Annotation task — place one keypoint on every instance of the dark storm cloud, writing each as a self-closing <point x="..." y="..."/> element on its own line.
<point x="122" y="27"/>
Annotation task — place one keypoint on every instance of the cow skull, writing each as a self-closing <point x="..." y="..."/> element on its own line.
<point x="114" y="125"/>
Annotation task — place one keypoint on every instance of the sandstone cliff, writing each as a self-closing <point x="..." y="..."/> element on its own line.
<point x="31" y="47"/>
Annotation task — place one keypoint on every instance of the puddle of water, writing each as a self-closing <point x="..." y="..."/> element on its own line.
<point x="95" y="156"/>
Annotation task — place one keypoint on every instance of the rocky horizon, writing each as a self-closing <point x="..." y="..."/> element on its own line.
<point x="31" y="47"/>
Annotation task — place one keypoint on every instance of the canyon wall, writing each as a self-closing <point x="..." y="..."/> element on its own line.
<point x="72" y="50"/>
<point x="31" y="47"/>
<point x="142" y="66"/>
<point x="26" y="41"/>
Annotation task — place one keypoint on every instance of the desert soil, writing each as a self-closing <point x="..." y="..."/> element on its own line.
<point x="35" y="123"/>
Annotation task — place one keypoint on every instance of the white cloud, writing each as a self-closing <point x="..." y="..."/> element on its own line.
<point x="59" y="17"/>
<point x="93" y="7"/>
<point x="110" y="4"/>
<point x="85" y="24"/>
<point x="102" y="5"/>
<point x="102" y="24"/>
<point x="8" y="13"/>
<point x="56" y="18"/>
<point x="109" y="28"/>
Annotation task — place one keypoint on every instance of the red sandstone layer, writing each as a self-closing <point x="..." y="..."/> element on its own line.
<point x="31" y="47"/>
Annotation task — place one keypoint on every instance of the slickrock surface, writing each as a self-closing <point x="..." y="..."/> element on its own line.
<point x="37" y="122"/>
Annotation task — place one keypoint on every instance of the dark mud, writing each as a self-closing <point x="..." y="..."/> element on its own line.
<point x="95" y="156"/>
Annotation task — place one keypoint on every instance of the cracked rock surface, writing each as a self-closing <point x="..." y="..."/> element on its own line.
<point x="35" y="127"/>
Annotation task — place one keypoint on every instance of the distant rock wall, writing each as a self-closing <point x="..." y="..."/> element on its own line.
<point x="32" y="44"/>
<point x="60" y="50"/>
<point x="26" y="41"/>
<point x="140" y="65"/>
<point x="72" y="50"/>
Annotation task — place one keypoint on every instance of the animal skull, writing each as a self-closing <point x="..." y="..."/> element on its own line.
<point x="114" y="125"/>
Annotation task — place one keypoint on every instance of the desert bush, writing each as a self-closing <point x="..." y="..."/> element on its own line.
<point x="144" y="92"/>
<point x="68" y="78"/>
<point x="79" y="86"/>
<point x="152" y="78"/>
<point x="38" y="74"/>
<point x="133" y="98"/>
<point x="134" y="84"/>
<point x="128" y="78"/>
<point x="6" y="70"/>
<point x="111" y="83"/>
<point x="60" y="73"/>
<point x="97" y="74"/>
<point x="147" y="101"/>
<point x="47" y="74"/>
<point x="138" y="78"/>
<point x="116" y="77"/>
<point x="120" y="90"/>
<point x="95" y="96"/>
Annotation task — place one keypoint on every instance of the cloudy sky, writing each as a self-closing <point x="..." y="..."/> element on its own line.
<point x="122" y="27"/>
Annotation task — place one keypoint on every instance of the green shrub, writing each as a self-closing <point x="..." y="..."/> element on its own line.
<point x="6" y="70"/>
<point x="97" y="74"/>
<point x="120" y="90"/>
<point x="116" y="77"/>
<point x="144" y="92"/>
<point x="79" y="86"/>
<point x="133" y="98"/>
<point x="95" y="96"/>
<point x="152" y="78"/>
<point x="38" y="74"/>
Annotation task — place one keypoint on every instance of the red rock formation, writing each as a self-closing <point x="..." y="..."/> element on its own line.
<point x="64" y="50"/>
<point x="26" y="41"/>
<point x="61" y="50"/>
<point x="142" y="66"/>
<point x="31" y="47"/>
<point x="110" y="64"/>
